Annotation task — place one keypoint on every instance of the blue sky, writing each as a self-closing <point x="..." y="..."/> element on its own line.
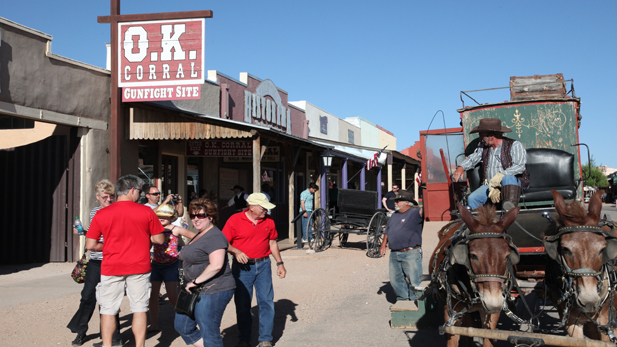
<point x="394" y="63"/>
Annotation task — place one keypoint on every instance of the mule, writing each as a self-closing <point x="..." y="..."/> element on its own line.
<point x="578" y="273"/>
<point x="475" y="269"/>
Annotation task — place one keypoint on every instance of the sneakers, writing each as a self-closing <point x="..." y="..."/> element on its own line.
<point x="113" y="343"/>
<point x="304" y="241"/>
<point x="243" y="344"/>
<point x="79" y="340"/>
<point x="265" y="344"/>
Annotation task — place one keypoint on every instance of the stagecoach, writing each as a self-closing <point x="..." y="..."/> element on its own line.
<point x="357" y="213"/>
<point x="545" y="116"/>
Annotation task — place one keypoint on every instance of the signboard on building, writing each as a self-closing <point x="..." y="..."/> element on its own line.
<point x="272" y="155"/>
<point x="161" y="60"/>
<point x="213" y="148"/>
<point x="265" y="106"/>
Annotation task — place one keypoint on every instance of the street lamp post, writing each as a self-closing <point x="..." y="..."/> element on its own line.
<point x="327" y="163"/>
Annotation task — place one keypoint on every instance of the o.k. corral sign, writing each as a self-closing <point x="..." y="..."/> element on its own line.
<point x="161" y="60"/>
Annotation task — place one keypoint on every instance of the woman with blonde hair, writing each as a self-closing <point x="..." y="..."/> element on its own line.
<point x="105" y="194"/>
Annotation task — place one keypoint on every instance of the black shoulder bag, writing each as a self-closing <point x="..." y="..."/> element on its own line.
<point x="187" y="301"/>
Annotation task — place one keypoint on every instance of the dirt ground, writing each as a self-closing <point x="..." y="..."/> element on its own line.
<point x="338" y="297"/>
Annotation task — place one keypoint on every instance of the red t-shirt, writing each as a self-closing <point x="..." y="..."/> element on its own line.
<point x="126" y="227"/>
<point x="253" y="240"/>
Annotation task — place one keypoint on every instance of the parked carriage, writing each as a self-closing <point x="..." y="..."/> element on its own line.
<point x="357" y="214"/>
<point x="546" y="120"/>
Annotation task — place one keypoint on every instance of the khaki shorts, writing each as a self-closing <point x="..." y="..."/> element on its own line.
<point x="111" y="293"/>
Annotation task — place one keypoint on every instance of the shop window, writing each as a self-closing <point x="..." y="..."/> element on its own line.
<point x="193" y="187"/>
<point x="9" y="123"/>
<point x="147" y="162"/>
<point x="323" y="125"/>
<point x="169" y="174"/>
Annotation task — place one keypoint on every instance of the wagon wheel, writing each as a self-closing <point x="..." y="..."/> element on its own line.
<point x="374" y="234"/>
<point x="320" y="223"/>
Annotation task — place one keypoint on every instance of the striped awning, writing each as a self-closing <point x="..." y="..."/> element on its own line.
<point x="146" y="124"/>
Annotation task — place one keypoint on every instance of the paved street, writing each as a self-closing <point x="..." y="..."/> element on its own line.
<point x="338" y="297"/>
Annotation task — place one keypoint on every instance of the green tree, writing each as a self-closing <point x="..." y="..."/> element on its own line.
<point x="596" y="177"/>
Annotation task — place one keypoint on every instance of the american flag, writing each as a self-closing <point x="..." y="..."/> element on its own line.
<point x="371" y="163"/>
<point x="419" y="178"/>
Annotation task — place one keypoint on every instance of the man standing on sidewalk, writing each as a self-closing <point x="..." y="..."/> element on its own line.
<point x="306" y="204"/>
<point x="252" y="238"/>
<point x="128" y="229"/>
<point x="404" y="234"/>
<point x="388" y="200"/>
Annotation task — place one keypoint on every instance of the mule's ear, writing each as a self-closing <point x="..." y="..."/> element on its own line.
<point x="467" y="217"/>
<point x="560" y="204"/>
<point x="595" y="206"/>
<point x="508" y="218"/>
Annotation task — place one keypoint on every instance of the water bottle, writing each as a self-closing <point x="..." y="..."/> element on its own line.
<point x="78" y="226"/>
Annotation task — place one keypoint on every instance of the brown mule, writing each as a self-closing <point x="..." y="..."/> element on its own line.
<point x="485" y="259"/>
<point x="578" y="251"/>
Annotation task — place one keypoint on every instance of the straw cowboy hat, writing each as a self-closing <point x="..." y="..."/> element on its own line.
<point x="490" y="124"/>
<point x="260" y="199"/>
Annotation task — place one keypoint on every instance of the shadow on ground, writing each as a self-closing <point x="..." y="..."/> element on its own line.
<point x="282" y="309"/>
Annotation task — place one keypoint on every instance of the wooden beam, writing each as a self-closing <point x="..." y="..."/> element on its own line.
<point x="292" y="208"/>
<point x="115" y="128"/>
<point x="256" y="165"/>
<point x="153" y="16"/>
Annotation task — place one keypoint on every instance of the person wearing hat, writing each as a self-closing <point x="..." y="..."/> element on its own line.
<point x="238" y="201"/>
<point x="404" y="236"/>
<point x="165" y="262"/>
<point x="502" y="164"/>
<point x="252" y="238"/>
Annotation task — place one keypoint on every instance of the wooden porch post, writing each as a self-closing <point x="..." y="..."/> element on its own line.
<point x="291" y="201"/>
<point x="256" y="165"/>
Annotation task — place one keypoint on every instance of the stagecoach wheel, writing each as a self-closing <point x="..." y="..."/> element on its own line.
<point x="374" y="234"/>
<point x="320" y="223"/>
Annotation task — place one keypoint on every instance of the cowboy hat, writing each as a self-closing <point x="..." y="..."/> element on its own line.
<point x="490" y="124"/>
<point x="166" y="210"/>
<point x="260" y="199"/>
<point x="404" y="195"/>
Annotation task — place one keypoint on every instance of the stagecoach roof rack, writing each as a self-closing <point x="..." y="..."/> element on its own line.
<point x="537" y="87"/>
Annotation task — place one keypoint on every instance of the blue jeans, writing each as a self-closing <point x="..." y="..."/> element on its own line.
<point x="305" y="222"/>
<point x="258" y="275"/>
<point x="405" y="272"/>
<point x="480" y="195"/>
<point x="208" y="314"/>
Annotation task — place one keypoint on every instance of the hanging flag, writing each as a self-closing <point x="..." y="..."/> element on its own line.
<point x="419" y="178"/>
<point x="371" y="163"/>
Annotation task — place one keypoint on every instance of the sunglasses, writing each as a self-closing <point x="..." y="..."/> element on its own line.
<point x="198" y="216"/>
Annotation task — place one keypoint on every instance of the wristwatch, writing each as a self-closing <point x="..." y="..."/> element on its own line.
<point x="279" y="263"/>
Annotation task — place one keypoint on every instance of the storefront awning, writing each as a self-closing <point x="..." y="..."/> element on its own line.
<point x="164" y="124"/>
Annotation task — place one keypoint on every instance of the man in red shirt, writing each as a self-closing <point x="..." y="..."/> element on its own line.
<point x="127" y="228"/>
<point x="252" y="238"/>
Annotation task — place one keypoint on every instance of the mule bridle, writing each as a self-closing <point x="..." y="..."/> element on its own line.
<point x="472" y="298"/>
